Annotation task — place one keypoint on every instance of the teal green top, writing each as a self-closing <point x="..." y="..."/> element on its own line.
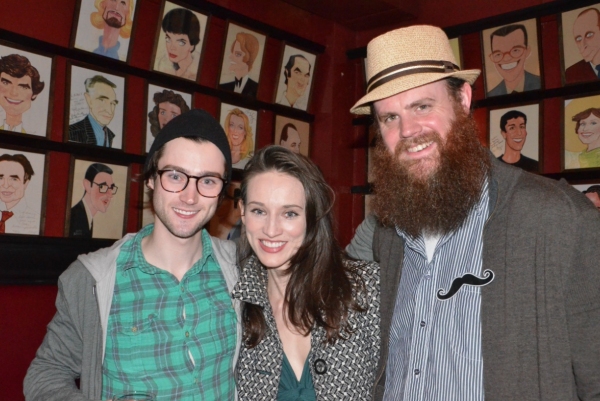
<point x="290" y="389"/>
<point x="173" y="338"/>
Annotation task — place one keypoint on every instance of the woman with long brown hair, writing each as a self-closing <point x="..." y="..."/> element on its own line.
<point x="311" y="315"/>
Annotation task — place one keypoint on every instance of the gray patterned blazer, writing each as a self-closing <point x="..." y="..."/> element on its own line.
<point x="343" y="371"/>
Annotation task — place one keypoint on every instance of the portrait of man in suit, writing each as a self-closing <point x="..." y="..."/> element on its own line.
<point x="586" y="36"/>
<point x="241" y="59"/>
<point x="510" y="49"/>
<point x="20" y="85"/>
<point x="18" y="215"/>
<point x="99" y="189"/>
<point x="101" y="99"/>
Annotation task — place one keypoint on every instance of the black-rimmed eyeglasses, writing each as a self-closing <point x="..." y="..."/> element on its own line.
<point x="104" y="187"/>
<point x="208" y="186"/>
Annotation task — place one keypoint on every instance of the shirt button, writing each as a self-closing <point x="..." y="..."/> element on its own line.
<point x="134" y="329"/>
<point x="182" y="289"/>
<point x="187" y="333"/>
<point x="422" y="324"/>
<point x="417" y="371"/>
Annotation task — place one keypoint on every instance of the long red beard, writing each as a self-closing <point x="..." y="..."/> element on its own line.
<point x="433" y="197"/>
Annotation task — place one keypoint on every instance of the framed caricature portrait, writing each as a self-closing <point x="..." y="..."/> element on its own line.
<point x="227" y="221"/>
<point x="104" y="27"/>
<point x="22" y="180"/>
<point x="179" y="41"/>
<point x="240" y="125"/>
<point x="591" y="191"/>
<point x="292" y="134"/>
<point x="581" y="133"/>
<point x="147" y="214"/>
<point x="96" y="104"/>
<point x="511" y="58"/>
<point x="242" y="59"/>
<point x="97" y="198"/>
<point x="457" y="51"/>
<point x="580" y="51"/>
<point x="515" y="136"/>
<point x="25" y="91"/>
<point x="162" y="105"/>
<point x="295" y="78"/>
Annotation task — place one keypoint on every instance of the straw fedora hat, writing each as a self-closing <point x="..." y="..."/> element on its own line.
<point x="405" y="58"/>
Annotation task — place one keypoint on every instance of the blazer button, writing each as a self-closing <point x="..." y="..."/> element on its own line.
<point x="320" y="367"/>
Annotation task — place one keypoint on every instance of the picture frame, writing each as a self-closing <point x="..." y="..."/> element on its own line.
<point x="456" y="45"/>
<point x="96" y="27"/>
<point x="178" y="50"/>
<point x="227" y="221"/>
<point x="581" y="133"/>
<point x="242" y="60"/>
<point x="31" y="112"/>
<point x="513" y="64"/>
<point x="240" y="126"/>
<point x="576" y="55"/>
<point x="292" y="134"/>
<point x="162" y="105"/>
<point x="591" y="190"/>
<point x="514" y="135"/>
<point x="146" y="210"/>
<point x="24" y="181"/>
<point x="95" y="106"/>
<point x="85" y="198"/>
<point x="300" y="65"/>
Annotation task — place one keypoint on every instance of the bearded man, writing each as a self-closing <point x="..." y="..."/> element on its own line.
<point x="489" y="276"/>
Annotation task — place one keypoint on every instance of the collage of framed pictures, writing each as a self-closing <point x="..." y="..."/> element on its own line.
<point x="97" y="110"/>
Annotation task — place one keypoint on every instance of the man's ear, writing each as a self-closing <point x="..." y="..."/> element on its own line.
<point x="503" y="134"/>
<point x="466" y="93"/>
<point x="150" y="183"/>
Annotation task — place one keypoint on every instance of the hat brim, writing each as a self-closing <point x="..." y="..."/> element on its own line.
<point x="405" y="83"/>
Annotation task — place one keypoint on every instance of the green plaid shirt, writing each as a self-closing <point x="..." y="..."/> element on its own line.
<point x="174" y="339"/>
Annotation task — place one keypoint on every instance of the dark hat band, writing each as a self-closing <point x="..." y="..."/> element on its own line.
<point x="411" y="68"/>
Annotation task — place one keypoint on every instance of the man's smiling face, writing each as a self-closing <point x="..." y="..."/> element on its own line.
<point x="15" y="94"/>
<point x="509" y="54"/>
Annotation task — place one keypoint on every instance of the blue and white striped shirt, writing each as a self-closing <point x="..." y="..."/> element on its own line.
<point x="435" y="345"/>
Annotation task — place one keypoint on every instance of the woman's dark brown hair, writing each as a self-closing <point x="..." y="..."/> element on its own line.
<point x="320" y="290"/>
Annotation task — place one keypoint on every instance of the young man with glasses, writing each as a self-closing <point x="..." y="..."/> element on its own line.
<point x="153" y="313"/>
<point x="99" y="190"/>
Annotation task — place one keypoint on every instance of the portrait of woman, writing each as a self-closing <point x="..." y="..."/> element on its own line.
<point x="302" y="340"/>
<point x="587" y="129"/>
<point x="162" y="105"/>
<point x="240" y="133"/>
<point x="178" y="51"/>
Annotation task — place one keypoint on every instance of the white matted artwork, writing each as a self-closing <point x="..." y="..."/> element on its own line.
<point x="240" y="125"/>
<point x="295" y="78"/>
<point x="242" y="59"/>
<point x="24" y="98"/>
<point x="515" y="135"/>
<point x="96" y="99"/>
<point x="179" y="41"/>
<point x="292" y="134"/>
<point x="104" y="27"/>
<point x="102" y="198"/>
<point x="22" y="183"/>
<point x="162" y="105"/>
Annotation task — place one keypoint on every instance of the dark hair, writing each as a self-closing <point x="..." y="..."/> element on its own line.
<point x="94" y="169"/>
<point x="319" y="290"/>
<point x="284" y="131"/>
<point x="593" y="189"/>
<point x="18" y="66"/>
<point x="506" y="30"/>
<point x="22" y="160"/>
<point x="291" y="61"/>
<point x="583" y="115"/>
<point x="161" y="97"/>
<point x="509" y="115"/>
<point x="183" y="22"/>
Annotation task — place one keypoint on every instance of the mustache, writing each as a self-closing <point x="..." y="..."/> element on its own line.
<point x="467" y="279"/>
